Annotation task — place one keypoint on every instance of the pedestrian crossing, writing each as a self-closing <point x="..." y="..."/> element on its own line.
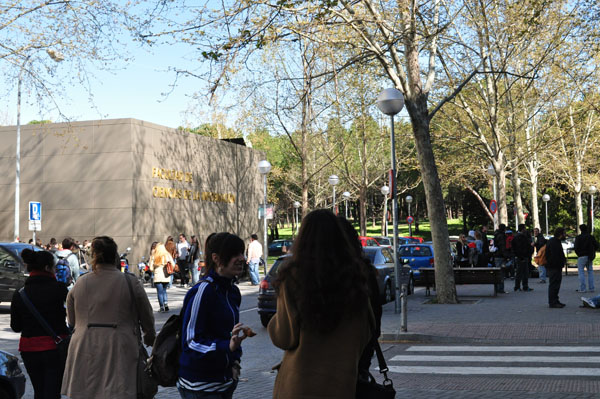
<point x="573" y="361"/>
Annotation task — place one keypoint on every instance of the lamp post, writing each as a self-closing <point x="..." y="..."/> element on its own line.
<point x="390" y="102"/>
<point x="492" y="172"/>
<point x="409" y="201"/>
<point x="333" y="180"/>
<point x="296" y="205"/>
<point x="546" y="198"/>
<point x="264" y="167"/>
<point x="346" y="196"/>
<point x="592" y="191"/>
<point x="385" y="190"/>
<point x="57" y="57"/>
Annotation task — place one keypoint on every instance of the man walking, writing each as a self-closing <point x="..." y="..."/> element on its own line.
<point x="556" y="259"/>
<point x="255" y="252"/>
<point x="523" y="250"/>
<point x="585" y="248"/>
<point x="68" y="253"/>
<point x="183" y="250"/>
<point x="539" y="242"/>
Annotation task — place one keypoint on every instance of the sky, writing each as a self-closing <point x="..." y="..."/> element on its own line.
<point x="135" y="91"/>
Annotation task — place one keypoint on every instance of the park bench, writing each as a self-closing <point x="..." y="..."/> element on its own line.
<point x="463" y="275"/>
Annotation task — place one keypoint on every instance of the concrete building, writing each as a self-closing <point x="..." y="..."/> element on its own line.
<point x="132" y="180"/>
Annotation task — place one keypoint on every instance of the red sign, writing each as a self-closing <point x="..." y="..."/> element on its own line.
<point x="493" y="206"/>
<point x="410" y="219"/>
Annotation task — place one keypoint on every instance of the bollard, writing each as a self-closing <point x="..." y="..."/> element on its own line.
<point x="403" y="304"/>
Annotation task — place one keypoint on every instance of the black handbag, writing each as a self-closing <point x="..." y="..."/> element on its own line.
<point x="371" y="389"/>
<point x="146" y="385"/>
<point x="62" y="344"/>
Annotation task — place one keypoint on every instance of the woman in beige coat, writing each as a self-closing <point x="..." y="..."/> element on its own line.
<point x="323" y="320"/>
<point x="158" y="262"/>
<point x="103" y="353"/>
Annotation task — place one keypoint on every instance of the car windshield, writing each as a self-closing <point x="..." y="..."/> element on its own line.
<point x="17" y="248"/>
<point x="384" y="241"/>
<point x="275" y="267"/>
<point x="415" y="250"/>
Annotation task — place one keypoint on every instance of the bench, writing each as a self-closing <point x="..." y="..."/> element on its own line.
<point x="463" y="275"/>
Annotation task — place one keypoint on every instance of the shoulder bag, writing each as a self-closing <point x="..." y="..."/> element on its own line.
<point x="371" y="389"/>
<point x="146" y="385"/>
<point x="168" y="269"/>
<point x="62" y="344"/>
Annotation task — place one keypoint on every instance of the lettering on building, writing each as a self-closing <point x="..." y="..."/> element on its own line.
<point x="182" y="193"/>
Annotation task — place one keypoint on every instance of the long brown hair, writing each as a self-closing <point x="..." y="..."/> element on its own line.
<point x="104" y="250"/>
<point x="325" y="277"/>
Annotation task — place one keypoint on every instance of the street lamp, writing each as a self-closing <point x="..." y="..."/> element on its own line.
<point x="264" y="167"/>
<point x="390" y="102"/>
<point x="592" y="190"/>
<point x="296" y="205"/>
<point x="492" y="172"/>
<point x="57" y="57"/>
<point x="385" y="190"/>
<point x="409" y="201"/>
<point x="333" y="180"/>
<point x="546" y="198"/>
<point x="346" y="196"/>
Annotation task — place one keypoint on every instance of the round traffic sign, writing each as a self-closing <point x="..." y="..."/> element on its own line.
<point x="410" y="219"/>
<point x="493" y="206"/>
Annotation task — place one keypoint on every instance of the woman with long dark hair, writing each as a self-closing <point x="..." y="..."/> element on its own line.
<point x="211" y="330"/>
<point x="38" y="349"/>
<point x="323" y="319"/>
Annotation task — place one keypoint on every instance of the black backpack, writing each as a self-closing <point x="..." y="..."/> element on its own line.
<point x="164" y="360"/>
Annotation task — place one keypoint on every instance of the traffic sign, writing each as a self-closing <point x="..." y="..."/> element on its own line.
<point x="35" y="210"/>
<point x="410" y="219"/>
<point x="493" y="206"/>
<point x="35" y="225"/>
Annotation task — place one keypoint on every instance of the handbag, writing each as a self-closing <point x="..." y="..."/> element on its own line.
<point x="62" y="344"/>
<point x="146" y="385"/>
<point x="168" y="269"/>
<point x="371" y="389"/>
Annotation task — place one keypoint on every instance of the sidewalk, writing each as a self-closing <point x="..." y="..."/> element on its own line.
<point x="522" y="317"/>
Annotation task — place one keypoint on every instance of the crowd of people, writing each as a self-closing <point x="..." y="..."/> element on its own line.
<point x="327" y="323"/>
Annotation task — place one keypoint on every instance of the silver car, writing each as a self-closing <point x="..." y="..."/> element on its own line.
<point x="383" y="261"/>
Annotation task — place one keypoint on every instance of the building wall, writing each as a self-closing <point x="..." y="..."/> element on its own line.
<point x="96" y="178"/>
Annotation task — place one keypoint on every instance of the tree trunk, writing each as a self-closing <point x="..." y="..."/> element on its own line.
<point x="362" y="202"/>
<point x="444" y="274"/>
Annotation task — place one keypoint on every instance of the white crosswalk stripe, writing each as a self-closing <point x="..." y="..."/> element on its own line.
<point x="485" y="360"/>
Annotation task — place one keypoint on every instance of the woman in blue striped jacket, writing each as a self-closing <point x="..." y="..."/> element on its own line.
<point x="211" y="331"/>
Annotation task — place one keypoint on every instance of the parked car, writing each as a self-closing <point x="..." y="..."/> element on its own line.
<point x="280" y="247"/>
<point x="414" y="239"/>
<point x="368" y="241"/>
<point x="12" y="274"/>
<point x="384" y="241"/>
<point x="18" y="247"/>
<point x="12" y="379"/>
<point x="417" y="256"/>
<point x="382" y="259"/>
<point x="267" y="302"/>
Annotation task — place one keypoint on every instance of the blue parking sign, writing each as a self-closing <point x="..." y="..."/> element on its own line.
<point x="35" y="210"/>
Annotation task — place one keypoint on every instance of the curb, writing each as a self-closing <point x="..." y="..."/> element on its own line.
<point x="408" y="337"/>
<point x="419" y="338"/>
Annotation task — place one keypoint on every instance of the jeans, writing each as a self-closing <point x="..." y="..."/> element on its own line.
<point x="555" y="277"/>
<point x="583" y="262"/>
<point x="253" y="266"/>
<point x="522" y="274"/>
<point x="161" y="292"/>
<point x="498" y="263"/>
<point x="187" y="394"/>
<point x="542" y="271"/>
<point x="184" y="271"/>
<point x="195" y="272"/>
<point x="45" y="370"/>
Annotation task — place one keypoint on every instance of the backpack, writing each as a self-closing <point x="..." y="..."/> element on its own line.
<point x="63" y="270"/>
<point x="540" y="257"/>
<point x="163" y="363"/>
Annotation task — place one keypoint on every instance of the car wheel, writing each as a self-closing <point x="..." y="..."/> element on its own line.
<point x="265" y="318"/>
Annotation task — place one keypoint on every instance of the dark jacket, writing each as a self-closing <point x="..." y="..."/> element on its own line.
<point x="540" y="241"/>
<point x="500" y="243"/>
<point x="521" y="246"/>
<point x="376" y="305"/>
<point x="48" y="297"/>
<point x="586" y="245"/>
<point x="554" y="254"/>
<point x="486" y="243"/>
<point x="211" y="311"/>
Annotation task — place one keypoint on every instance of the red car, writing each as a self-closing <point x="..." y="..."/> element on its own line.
<point x="415" y="239"/>
<point x="368" y="241"/>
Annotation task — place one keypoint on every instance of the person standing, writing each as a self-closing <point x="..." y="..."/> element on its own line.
<point x="255" y="253"/>
<point x="585" y="248"/>
<point x="539" y="242"/>
<point x="194" y="259"/>
<point x="183" y="249"/>
<point x="158" y="261"/>
<point x="104" y="349"/>
<point x="42" y="360"/>
<point x="486" y="245"/>
<point x="523" y="250"/>
<point x="171" y="247"/>
<point x="323" y="321"/>
<point x="499" y="255"/>
<point x="462" y="251"/>
<point x="68" y="253"/>
<point x="555" y="261"/>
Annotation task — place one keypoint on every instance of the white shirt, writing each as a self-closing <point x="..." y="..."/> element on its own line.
<point x="183" y="249"/>
<point x="255" y="250"/>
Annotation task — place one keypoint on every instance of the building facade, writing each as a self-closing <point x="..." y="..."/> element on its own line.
<point x="132" y="180"/>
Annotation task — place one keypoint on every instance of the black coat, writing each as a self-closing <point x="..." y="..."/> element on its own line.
<point x="586" y="245"/>
<point x="554" y="254"/>
<point x="48" y="297"/>
<point x="521" y="246"/>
